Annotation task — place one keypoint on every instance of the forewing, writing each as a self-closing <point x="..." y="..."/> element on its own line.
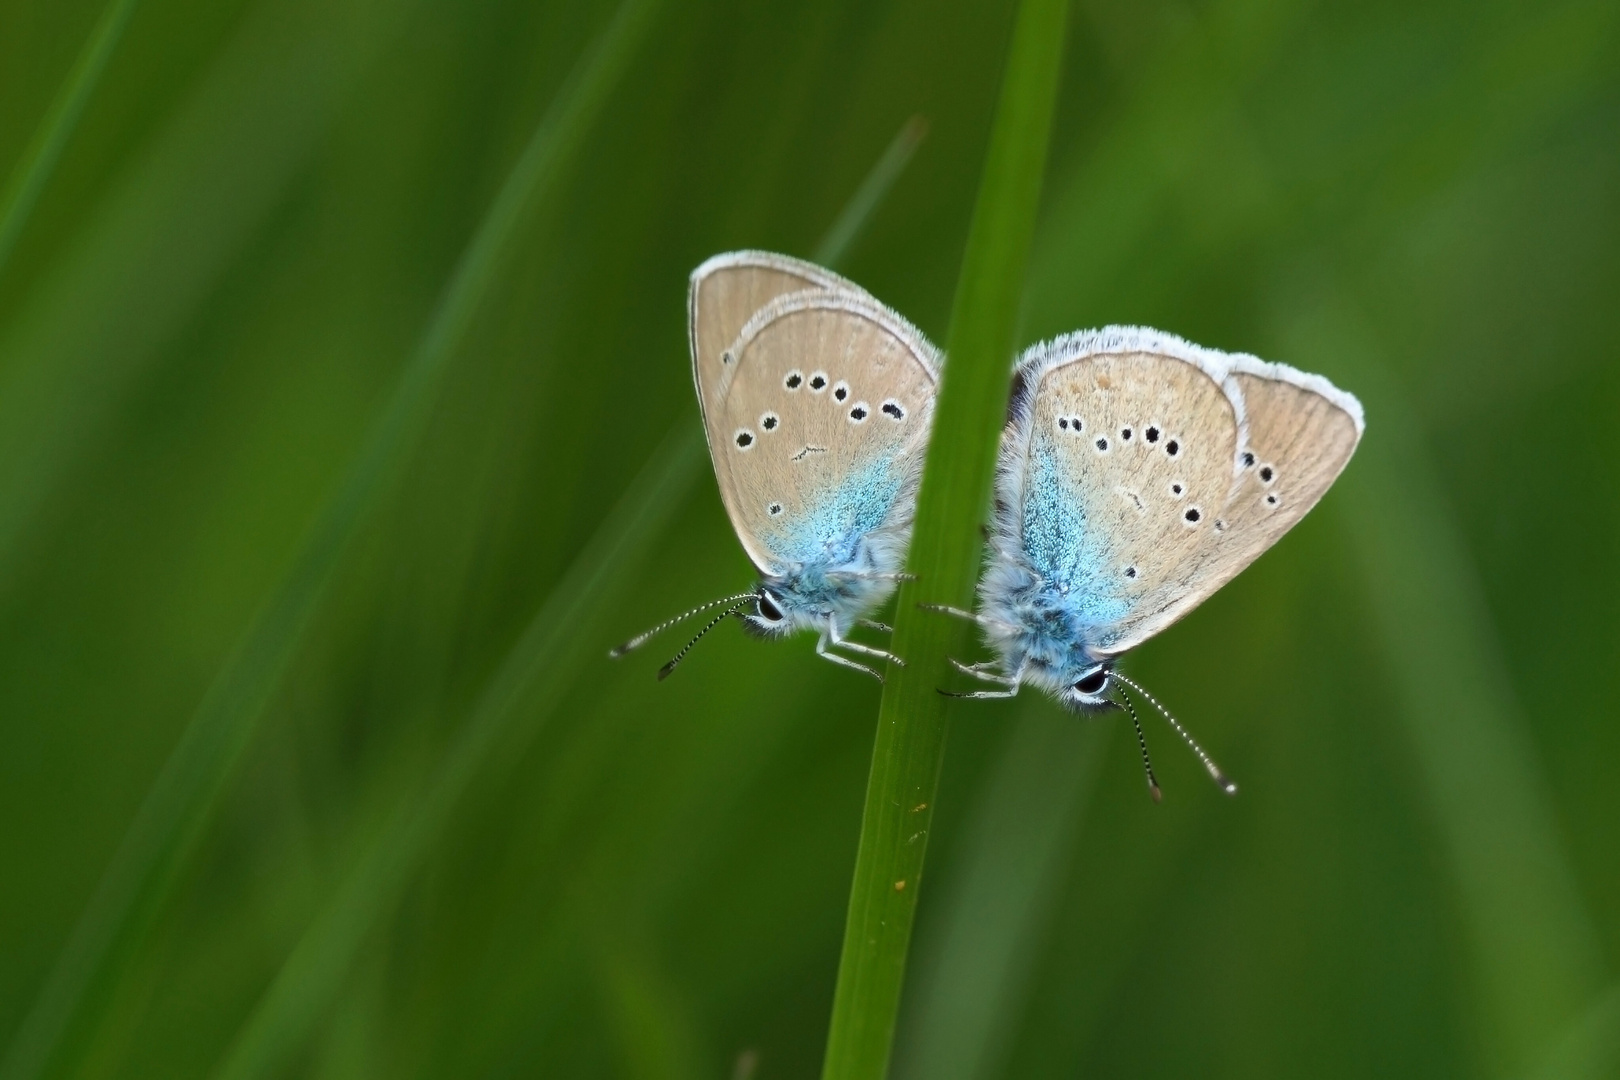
<point x="728" y="290"/>
<point x="1210" y="458"/>
<point x="820" y="426"/>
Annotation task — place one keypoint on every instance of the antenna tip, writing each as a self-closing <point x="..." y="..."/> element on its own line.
<point x="1158" y="796"/>
<point x="663" y="672"/>
<point x="1227" y="786"/>
<point x="617" y="651"/>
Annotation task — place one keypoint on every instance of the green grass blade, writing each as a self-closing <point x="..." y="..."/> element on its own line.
<point x="39" y="160"/>
<point x="976" y="960"/>
<point x="537" y="672"/>
<point x="540" y="668"/>
<point x="944" y="553"/>
<point x="841" y="237"/>
<point x="197" y="769"/>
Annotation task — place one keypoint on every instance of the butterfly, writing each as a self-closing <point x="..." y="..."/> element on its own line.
<point x="817" y="402"/>
<point x="1137" y="474"/>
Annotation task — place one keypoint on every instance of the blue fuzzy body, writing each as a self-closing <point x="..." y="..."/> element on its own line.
<point x="1045" y="594"/>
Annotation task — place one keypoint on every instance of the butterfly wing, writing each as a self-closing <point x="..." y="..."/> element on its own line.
<point x="1146" y="472"/>
<point x="817" y="426"/>
<point x="726" y="291"/>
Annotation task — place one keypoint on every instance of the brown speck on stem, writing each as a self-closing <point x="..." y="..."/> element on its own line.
<point x="900" y="885"/>
<point x="919" y="806"/>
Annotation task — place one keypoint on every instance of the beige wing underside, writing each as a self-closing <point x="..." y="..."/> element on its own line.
<point x="726" y="291"/>
<point x="1182" y="476"/>
<point x="817" y="425"/>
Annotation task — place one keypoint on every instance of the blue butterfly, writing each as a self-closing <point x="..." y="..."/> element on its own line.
<point x="817" y="402"/>
<point x="1138" y="473"/>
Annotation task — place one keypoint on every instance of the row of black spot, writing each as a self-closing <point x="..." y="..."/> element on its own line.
<point x="1151" y="436"/>
<point x="818" y="382"/>
<point x="857" y="415"/>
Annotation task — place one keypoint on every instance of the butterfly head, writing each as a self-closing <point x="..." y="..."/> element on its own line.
<point x="771" y="614"/>
<point x="785" y="605"/>
<point x="1088" y="691"/>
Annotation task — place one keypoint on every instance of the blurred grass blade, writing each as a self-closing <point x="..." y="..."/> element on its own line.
<point x="39" y="159"/>
<point x="1532" y="942"/>
<point x="654" y="1031"/>
<point x="541" y="667"/>
<point x="531" y="682"/>
<point x="180" y="800"/>
<point x="841" y="237"/>
<point x="944" y="553"/>
<point x="150" y="251"/>
<point x="976" y="956"/>
<point x="1590" y="1049"/>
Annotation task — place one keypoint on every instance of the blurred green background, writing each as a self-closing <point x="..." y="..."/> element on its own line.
<point x="453" y="839"/>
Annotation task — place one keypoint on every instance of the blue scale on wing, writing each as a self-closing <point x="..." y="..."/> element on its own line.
<point x="827" y="535"/>
<point x="1065" y="547"/>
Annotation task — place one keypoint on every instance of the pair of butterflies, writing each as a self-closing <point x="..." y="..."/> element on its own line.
<point x="1138" y="473"/>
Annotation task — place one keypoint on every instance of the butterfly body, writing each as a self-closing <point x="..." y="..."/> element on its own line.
<point x="1137" y="474"/>
<point x="1034" y="626"/>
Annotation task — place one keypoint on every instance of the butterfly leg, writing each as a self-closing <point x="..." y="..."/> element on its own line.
<point x="982" y="695"/>
<point x="946" y="609"/>
<point x="821" y="651"/>
<point x="873" y="624"/>
<point x="971" y="616"/>
<point x="983" y="674"/>
<point x="865" y="650"/>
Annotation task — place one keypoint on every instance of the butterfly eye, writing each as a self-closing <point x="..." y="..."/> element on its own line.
<point x="1093" y="683"/>
<point x="768" y="609"/>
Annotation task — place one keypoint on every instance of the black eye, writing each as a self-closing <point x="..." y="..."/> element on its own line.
<point x="768" y="608"/>
<point x="1092" y="683"/>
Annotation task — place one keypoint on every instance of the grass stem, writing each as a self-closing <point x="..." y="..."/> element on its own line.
<point x="944" y="554"/>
